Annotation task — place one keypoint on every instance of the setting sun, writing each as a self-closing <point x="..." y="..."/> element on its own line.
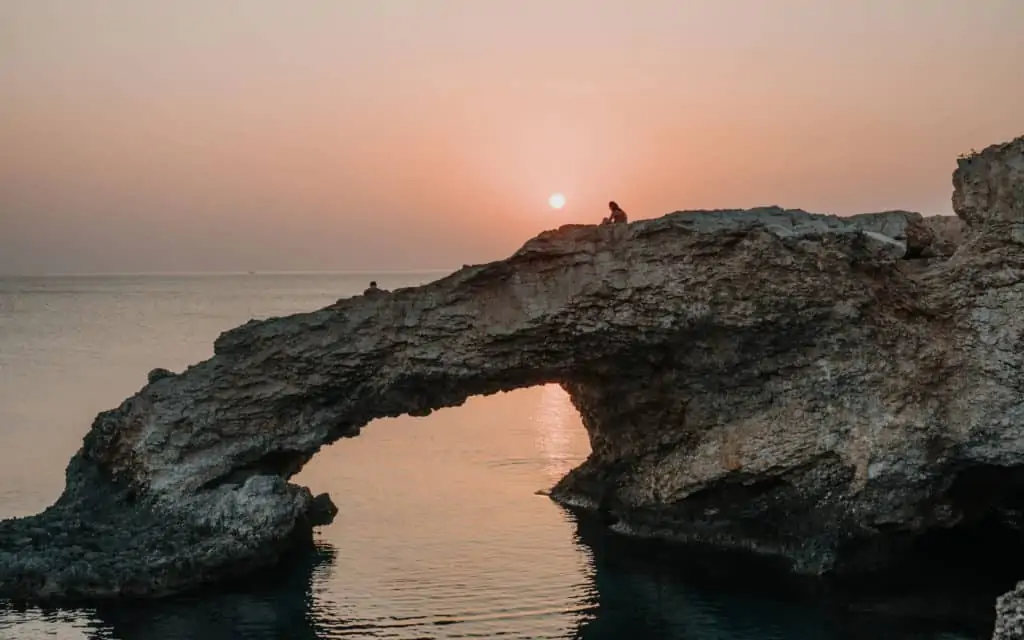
<point x="557" y="201"/>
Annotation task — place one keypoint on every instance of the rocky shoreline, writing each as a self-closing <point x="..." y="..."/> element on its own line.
<point x="827" y="391"/>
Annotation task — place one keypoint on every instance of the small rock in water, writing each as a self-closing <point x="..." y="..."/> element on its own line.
<point x="322" y="510"/>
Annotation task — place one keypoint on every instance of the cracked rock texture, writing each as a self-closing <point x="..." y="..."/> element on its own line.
<point x="1010" y="615"/>
<point x="811" y="387"/>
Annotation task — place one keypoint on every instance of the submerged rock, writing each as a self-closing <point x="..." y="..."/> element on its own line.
<point x="819" y="389"/>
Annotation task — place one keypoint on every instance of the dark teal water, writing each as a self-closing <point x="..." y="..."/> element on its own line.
<point x="440" y="533"/>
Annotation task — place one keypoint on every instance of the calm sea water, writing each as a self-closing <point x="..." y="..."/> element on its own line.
<point x="439" y="535"/>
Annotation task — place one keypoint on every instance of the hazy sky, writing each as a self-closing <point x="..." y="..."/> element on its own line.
<point x="194" y="135"/>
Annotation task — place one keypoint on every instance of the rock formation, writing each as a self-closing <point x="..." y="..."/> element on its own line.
<point x="817" y="388"/>
<point x="1010" y="615"/>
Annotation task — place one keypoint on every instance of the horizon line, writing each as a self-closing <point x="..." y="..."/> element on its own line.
<point x="255" y="272"/>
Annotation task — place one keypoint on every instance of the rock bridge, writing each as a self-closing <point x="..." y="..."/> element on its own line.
<point x="815" y="388"/>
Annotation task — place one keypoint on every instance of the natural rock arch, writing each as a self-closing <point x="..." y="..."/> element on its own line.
<point x="767" y="379"/>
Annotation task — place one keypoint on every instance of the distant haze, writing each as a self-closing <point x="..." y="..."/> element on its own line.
<point x="200" y="135"/>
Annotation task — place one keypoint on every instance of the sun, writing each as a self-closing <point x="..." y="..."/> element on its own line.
<point x="557" y="201"/>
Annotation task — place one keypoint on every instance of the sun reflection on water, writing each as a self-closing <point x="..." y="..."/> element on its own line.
<point x="559" y="432"/>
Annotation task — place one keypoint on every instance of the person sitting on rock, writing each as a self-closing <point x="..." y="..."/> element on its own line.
<point x="373" y="289"/>
<point x="617" y="215"/>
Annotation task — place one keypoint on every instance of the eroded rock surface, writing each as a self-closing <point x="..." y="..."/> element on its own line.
<point x="816" y="388"/>
<point x="1010" y="615"/>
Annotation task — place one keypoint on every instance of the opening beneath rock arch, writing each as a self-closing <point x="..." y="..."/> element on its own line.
<point x="439" y="521"/>
<point x="535" y="430"/>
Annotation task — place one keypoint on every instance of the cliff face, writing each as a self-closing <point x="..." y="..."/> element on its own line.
<point x="818" y="388"/>
<point x="989" y="196"/>
<point x="989" y="186"/>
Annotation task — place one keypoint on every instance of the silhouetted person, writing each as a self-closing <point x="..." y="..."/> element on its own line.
<point x="618" y="215"/>
<point x="372" y="290"/>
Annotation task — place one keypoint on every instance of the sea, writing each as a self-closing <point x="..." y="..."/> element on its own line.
<point x="440" y="533"/>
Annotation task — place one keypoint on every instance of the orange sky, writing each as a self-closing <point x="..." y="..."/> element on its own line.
<point x="393" y="134"/>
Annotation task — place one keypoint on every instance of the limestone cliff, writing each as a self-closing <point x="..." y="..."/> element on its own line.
<point x="817" y="388"/>
<point x="989" y="196"/>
